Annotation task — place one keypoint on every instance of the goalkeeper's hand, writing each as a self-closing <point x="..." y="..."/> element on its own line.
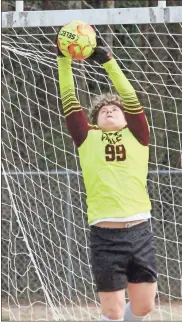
<point x="101" y="54"/>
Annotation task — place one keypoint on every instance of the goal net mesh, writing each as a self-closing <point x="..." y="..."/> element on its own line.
<point x="46" y="271"/>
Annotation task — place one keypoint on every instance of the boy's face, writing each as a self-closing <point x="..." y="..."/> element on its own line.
<point x="111" y="118"/>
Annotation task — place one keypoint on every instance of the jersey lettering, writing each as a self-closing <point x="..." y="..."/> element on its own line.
<point x="115" y="153"/>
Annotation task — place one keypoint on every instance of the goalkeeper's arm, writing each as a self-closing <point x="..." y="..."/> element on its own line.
<point x="134" y="113"/>
<point x="75" y="117"/>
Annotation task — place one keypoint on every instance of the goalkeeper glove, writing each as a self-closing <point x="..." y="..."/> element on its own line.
<point x="101" y="53"/>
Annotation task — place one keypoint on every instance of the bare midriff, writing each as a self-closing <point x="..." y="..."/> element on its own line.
<point x="111" y="224"/>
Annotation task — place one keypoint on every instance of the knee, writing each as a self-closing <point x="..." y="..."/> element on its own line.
<point x="146" y="308"/>
<point x="113" y="304"/>
<point x="115" y="313"/>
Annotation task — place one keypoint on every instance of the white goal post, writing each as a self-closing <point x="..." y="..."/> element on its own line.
<point x="46" y="272"/>
<point x="160" y="14"/>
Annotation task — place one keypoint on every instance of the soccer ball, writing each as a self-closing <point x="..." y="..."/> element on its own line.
<point x="77" y="40"/>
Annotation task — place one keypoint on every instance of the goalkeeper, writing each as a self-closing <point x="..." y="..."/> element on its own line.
<point x="113" y="152"/>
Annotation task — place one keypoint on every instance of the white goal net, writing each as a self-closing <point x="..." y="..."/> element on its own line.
<point x="46" y="272"/>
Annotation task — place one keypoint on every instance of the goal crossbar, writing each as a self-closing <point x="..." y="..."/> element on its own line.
<point x="15" y="19"/>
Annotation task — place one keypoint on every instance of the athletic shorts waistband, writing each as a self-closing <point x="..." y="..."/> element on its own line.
<point x="142" y="225"/>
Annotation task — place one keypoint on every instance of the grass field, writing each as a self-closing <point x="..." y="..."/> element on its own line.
<point x="44" y="313"/>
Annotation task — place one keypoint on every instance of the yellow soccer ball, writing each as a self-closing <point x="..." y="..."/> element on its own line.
<point x="77" y="40"/>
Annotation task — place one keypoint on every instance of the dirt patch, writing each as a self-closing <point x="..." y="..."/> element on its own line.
<point x="43" y="312"/>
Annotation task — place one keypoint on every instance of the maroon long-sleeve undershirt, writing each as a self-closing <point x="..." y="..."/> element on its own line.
<point x="76" y="119"/>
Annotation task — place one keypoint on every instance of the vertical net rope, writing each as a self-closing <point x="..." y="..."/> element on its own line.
<point x="46" y="272"/>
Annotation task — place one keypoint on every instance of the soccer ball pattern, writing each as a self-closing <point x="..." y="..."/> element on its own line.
<point x="77" y="40"/>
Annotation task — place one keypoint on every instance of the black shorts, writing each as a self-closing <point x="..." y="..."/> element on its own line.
<point x="122" y="255"/>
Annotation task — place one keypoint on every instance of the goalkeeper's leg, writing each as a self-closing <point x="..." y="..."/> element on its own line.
<point x="142" y="297"/>
<point x="110" y="250"/>
<point x="142" y="276"/>
<point x="113" y="305"/>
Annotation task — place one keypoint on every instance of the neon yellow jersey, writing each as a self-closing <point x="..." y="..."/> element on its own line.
<point x="114" y="174"/>
<point x="114" y="164"/>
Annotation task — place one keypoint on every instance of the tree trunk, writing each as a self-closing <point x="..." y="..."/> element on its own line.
<point x="74" y="4"/>
<point x="109" y="36"/>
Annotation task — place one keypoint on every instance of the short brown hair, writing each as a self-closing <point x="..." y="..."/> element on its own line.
<point x="102" y="100"/>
